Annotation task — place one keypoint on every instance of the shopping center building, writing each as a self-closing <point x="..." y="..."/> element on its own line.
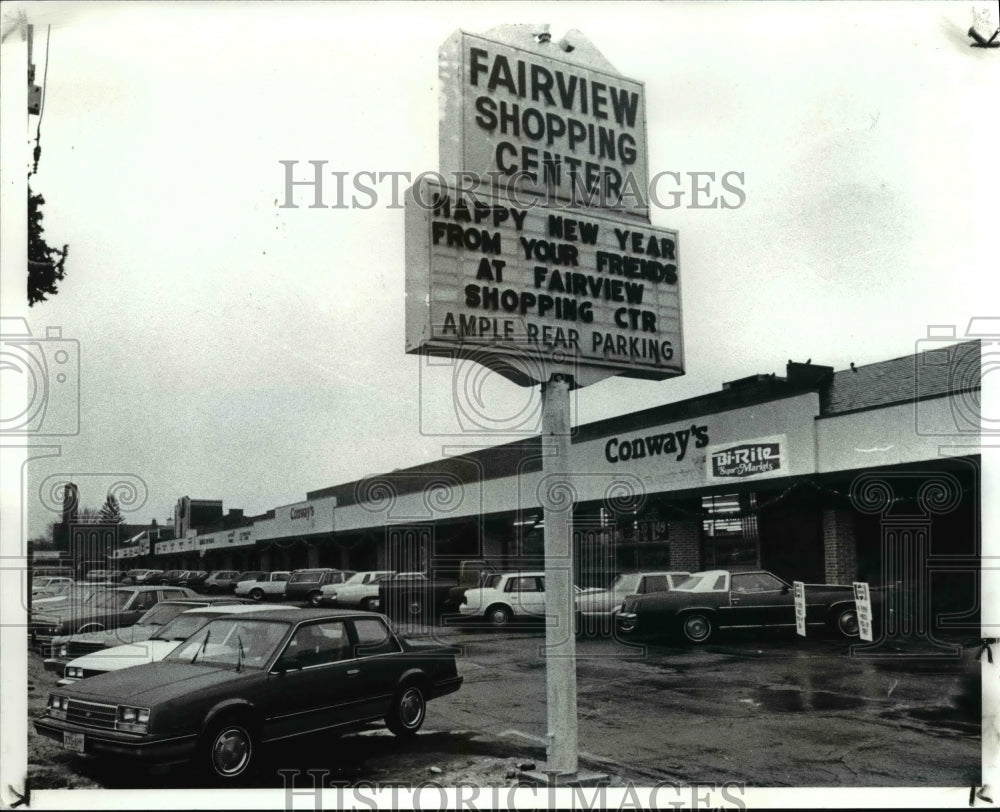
<point x="868" y="473"/>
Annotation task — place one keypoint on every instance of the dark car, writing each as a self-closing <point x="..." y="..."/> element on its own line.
<point x="244" y="680"/>
<point x="170" y="577"/>
<point x="220" y="581"/>
<point x="193" y="579"/>
<point x="106" y="609"/>
<point x="66" y="648"/>
<point x="720" y="599"/>
<point x="306" y="585"/>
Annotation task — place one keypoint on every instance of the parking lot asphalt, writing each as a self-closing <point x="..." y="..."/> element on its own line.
<point x="765" y="710"/>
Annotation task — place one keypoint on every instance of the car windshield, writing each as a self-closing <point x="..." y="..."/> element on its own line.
<point x="183" y="626"/>
<point x="492" y="582"/>
<point x="162" y="613"/>
<point x="110" y="600"/>
<point x="703" y="582"/>
<point x="232" y="642"/>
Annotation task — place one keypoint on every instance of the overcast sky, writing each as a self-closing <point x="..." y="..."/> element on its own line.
<point x="233" y="349"/>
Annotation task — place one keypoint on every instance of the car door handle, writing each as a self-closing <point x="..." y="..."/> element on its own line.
<point x="353" y="672"/>
<point x="736" y="600"/>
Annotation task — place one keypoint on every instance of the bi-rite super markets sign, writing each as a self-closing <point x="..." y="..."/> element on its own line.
<point x="563" y="125"/>
<point x="540" y="290"/>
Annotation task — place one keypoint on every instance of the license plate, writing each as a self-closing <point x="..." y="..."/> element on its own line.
<point x="74" y="742"/>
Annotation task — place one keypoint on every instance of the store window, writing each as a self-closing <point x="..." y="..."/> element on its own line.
<point x="730" y="539"/>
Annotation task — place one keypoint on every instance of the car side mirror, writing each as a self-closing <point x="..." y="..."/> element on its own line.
<point x="289" y="662"/>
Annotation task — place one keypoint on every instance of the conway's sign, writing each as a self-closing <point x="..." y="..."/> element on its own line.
<point x="670" y="443"/>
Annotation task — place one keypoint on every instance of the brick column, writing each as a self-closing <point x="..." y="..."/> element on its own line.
<point x="684" y="536"/>
<point x="840" y="546"/>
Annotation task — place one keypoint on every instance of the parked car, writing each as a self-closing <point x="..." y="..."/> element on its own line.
<point x="305" y="585"/>
<point x="49" y="586"/>
<point x="720" y="599"/>
<point x="428" y="598"/>
<point x="242" y="681"/>
<point x="154" y="648"/>
<point x="170" y="577"/>
<point x="45" y="581"/>
<point x="220" y="581"/>
<point x="508" y="595"/>
<point x="148" y="576"/>
<point x="67" y="647"/>
<point x="361" y="589"/>
<point x="267" y="585"/>
<point x="193" y="579"/>
<point x="107" y="609"/>
<point x="595" y="608"/>
<point x="98" y="575"/>
<point x="78" y="594"/>
<point x="250" y="575"/>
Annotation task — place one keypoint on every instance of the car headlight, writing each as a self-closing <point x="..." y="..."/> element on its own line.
<point x="64" y="650"/>
<point x="132" y="720"/>
<point x="57" y="706"/>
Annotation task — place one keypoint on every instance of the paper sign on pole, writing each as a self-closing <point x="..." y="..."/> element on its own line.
<point x="799" y="592"/>
<point x="863" y="601"/>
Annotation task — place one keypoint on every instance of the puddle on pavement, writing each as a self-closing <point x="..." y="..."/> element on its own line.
<point x="795" y="700"/>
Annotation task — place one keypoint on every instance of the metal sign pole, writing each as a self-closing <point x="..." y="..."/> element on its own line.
<point x="560" y="639"/>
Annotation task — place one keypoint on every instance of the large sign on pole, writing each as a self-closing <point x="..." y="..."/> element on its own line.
<point x="534" y="256"/>
<point x="533" y="291"/>
<point x="562" y="124"/>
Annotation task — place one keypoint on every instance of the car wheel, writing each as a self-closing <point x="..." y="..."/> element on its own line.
<point x="229" y="750"/>
<point x="846" y="622"/>
<point x="696" y="627"/>
<point x="313" y="598"/>
<point x="257" y="594"/>
<point x="408" y="710"/>
<point x="368" y="604"/>
<point x="498" y="615"/>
